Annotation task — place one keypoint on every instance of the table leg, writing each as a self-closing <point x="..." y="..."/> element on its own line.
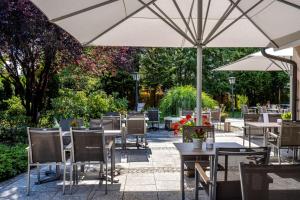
<point x="210" y="189"/>
<point x="182" y="179"/>
<point x="113" y="161"/>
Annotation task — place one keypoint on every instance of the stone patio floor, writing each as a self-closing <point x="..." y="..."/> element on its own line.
<point x="151" y="174"/>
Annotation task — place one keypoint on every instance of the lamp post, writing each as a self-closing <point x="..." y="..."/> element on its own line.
<point x="136" y="77"/>
<point x="232" y="82"/>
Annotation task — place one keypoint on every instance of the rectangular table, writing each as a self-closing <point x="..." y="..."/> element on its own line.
<point x="187" y="149"/>
<point x="264" y="126"/>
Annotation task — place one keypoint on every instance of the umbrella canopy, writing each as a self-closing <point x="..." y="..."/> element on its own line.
<point x="178" y="23"/>
<point x="257" y="62"/>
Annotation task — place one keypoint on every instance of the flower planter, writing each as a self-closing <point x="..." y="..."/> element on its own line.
<point x="197" y="143"/>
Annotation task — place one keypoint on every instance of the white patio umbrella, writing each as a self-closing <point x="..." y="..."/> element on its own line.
<point x="178" y="23"/>
<point x="257" y="62"/>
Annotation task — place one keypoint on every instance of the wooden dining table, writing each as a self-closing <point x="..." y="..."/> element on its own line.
<point x="187" y="150"/>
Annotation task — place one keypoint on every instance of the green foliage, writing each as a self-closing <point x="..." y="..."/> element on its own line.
<point x="14" y="115"/>
<point x="183" y="97"/>
<point x="79" y="104"/>
<point x="241" y="100"/>
<point x="13" y="160"/>
<point x="286" y="116"/>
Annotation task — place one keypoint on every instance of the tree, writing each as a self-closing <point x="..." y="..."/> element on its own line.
<point x="32" y="50"/>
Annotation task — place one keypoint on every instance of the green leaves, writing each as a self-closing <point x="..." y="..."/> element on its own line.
<point x="13" y="160"/>
<point x="183" y="97"/>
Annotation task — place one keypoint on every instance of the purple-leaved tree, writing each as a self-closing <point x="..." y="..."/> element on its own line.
<point x="32" y="50"/>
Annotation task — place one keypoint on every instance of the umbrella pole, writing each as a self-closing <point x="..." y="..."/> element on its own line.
<point x="199" y="85"/>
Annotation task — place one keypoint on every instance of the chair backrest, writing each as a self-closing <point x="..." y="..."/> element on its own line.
<point x="231" y="181"/>
<point x="135" y="115"/>
<point x="215" y="115"/>
<point x="251" y="117"/>
<point x="187" y="131"/>
<point x="88" y="145"/>
<point x="136" y="126"/>
<point x="289" y="135"/>
<point x="274" y="116"/>
<point x="45" y="145"/>
<point x="94" y="123"/>
<point x="112" y="114"/>
<point x="66" y="124"/>
<point x="111" y="122"/>
<point x="245" y="109"/>
<point x="153" y="115"/>
<point x="274" y="182"/>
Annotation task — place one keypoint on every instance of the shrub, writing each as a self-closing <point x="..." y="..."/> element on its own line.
<point x="241" y="100"/>
<point x="79" y="104"/>
<point x="13" y="160"/>
<point x="286" y="116"/>
<point x="183" y="97"/>
<point x="13" y="122"/>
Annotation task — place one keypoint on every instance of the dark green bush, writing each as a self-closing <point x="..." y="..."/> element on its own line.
<point x="13" y="160"/>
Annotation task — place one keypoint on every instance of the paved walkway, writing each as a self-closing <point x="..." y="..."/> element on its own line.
<point x="151" y="174"/>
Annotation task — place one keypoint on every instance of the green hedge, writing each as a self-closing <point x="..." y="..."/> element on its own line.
<point x="13" y="160"/>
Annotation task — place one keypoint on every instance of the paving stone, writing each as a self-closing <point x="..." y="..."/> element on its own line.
<point x="140" y="195"/>
<point x="140" y="188"/>
<point x="111" y="195"/>
<point x="142" y="180"/>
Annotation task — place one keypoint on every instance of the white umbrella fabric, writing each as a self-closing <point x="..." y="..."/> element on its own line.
<point x="178" y="23"/>
<point x="257" y="62"/>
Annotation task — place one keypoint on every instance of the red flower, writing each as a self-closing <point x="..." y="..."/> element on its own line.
<point x="188" y="117"/>
<point x="175" y="126"/>
<point x="183" y="121"/>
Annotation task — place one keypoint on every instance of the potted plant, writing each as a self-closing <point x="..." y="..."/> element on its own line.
<point x="198" y="137"/>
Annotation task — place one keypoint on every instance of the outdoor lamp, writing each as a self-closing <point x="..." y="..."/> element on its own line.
<point x="135" y="76"/>
<point x="231" y="80"/>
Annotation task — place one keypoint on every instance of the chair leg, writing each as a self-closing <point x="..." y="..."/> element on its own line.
<point x="28" y="179"/>
<point x="39" y="174"/>
<point x="106" y="174"/>
<point x="65" y="169"/>
<point x="197" y="184"/>
<point x="244" y="135"/>
<point x="71" y="177"/>
<point x="278" y="154"/>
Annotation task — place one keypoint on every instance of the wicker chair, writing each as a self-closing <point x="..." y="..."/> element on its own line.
<point x="111" y="122"/>
<point x="153" y="116"/>
<point x="45" y="148"/>
<point x="225" y="184"/>
<point x="95" y="123"/>
<point x="136" y="127"/>
<point x="88" y="147"/>
<point x="215" y="117"/>
<point x="276" y="182"/>
<point x="251" y="117"/>
<point x="288" y="137"/>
